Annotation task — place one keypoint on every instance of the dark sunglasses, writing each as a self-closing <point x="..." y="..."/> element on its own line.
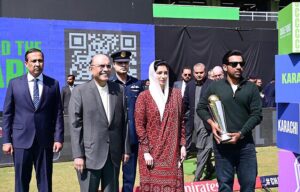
<point x="187" y="75"/>
<point x="235" y="64"/>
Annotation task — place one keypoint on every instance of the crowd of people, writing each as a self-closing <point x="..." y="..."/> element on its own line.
<point x="119" y="118"/>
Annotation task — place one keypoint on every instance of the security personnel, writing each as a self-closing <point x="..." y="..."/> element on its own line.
<point x="132" y="87"/>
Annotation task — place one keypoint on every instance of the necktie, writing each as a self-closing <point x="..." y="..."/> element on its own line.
<point x="36" y="97"/>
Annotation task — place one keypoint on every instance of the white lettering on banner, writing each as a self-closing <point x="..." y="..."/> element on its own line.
<point x="285" y="30"/>
<point x="288" y="126"/>
<point x="296" y="27"/>
<point x="201" y="187"/>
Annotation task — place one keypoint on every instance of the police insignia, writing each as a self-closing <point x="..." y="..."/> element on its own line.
<point x="123" y="54"/>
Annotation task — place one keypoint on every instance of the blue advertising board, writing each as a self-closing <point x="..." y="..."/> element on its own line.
<point x="288" y="127"/>
<point x="69" y="45"/>
<point x="287" y="75"/>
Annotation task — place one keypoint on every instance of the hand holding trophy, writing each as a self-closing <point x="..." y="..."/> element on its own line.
<point x="218" y="114"/>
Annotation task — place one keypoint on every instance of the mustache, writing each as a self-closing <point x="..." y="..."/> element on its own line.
<point x="103" y="73"/>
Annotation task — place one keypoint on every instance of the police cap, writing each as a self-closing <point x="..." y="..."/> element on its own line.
<point x="121" y="56"/>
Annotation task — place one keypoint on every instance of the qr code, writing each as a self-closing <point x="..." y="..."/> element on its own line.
<point x="81" y="45"/>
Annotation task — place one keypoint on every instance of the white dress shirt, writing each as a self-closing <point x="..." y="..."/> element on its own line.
<point x="103" y="91"/>
<point x="234" y="88"/>
<point x="71" y="87"/>
<point x="183" y="86"/>
<point x="30" y="79"/>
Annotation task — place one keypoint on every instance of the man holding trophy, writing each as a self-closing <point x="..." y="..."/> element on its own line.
<point x="232" y="107"/>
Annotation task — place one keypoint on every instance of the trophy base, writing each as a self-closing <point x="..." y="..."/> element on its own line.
<point x="225" y="138"/>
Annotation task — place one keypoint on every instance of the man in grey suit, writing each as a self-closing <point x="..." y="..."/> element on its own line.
<point x="195" y="89"/>
<point x="66" y="93"/>
<point x="186" y="76"/>
<point x="99" y="135"/>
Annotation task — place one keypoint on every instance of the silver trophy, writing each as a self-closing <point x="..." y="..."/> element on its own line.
<point x="217" y="111"/>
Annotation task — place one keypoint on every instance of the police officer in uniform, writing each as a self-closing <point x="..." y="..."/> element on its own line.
<point x="132" y="87"/>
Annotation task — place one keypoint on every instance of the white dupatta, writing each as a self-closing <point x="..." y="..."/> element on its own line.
<point x="156" y="92"/>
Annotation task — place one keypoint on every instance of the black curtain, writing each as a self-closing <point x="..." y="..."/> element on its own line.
<point x="188" y="45"/>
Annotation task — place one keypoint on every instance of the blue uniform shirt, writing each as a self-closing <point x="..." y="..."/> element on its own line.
<point x="133" y="87"/>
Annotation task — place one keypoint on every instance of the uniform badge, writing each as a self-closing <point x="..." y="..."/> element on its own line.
<point x="134" y="88"/>
<point x="123" y="54"/>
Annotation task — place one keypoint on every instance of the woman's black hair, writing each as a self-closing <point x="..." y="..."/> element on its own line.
<point x="160" y="62"/>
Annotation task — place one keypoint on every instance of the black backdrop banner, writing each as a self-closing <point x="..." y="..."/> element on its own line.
<point x="188" y="45"/>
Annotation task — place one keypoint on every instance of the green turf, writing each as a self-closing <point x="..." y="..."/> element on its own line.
<point x="189" y="166"/>
<point x="64" y="177"/>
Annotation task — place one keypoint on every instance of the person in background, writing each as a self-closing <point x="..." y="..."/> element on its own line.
<point x="242" y="106"/>
<point x="186" y="76"/>
<point x="195" y="89"/>
<point x="161" y="133"/>
<point x="66" y="93"/>
<point x="260" y="89"/>
<point x="210" y="75"/>
<point x="269" y="91"/>
<point x="132" y="88"/>
<point x="146" y="84"/>
<point x="259" y="82"/>
<point x="98" y="129"/>
<point x="217" y="73"/>
<point x="33" y="126"/>
<point x="252" y="79"/>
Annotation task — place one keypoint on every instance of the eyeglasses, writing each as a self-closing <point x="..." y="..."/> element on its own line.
<point x="102" y="66"/>
<point x="187" y="75"/>
<point x="235" y="64"/>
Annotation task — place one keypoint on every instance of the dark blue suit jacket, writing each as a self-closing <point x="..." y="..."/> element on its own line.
<point x="22" y="123"/>
<point x="133" y="88"/>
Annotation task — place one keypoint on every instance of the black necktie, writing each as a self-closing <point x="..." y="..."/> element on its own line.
<point x="36" y="97"/>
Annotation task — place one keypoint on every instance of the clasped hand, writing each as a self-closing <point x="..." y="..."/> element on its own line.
<point x="217" y="132"/>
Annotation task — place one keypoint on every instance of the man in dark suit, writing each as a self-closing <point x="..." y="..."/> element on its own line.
<point x="33" y="123"/>
<point x="99" y="134"/>
<point x="186" y="76"/>
<point x="132" y="88"/>
<point x="269" y="91"/>
<point x="66" y="93"/>
<point x="195" y="89"/>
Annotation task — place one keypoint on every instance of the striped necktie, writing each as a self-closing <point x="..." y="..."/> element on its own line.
<point x="36" y="97"/>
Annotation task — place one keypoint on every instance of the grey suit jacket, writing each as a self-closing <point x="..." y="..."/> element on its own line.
<point x="205" y="136"/>
<point x="92" y="136"/>
<point x="65" y="98"/>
